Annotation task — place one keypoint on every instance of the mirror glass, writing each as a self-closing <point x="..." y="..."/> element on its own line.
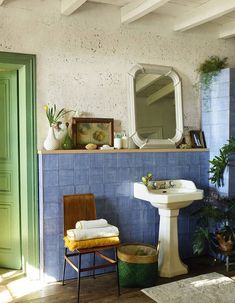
<point x="155" y="106"/>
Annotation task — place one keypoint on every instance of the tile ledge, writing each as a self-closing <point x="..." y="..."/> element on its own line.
<point x="129" y="150"/>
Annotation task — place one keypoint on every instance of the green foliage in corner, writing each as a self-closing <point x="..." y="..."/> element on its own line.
<point x="219" y="163"/>
<point x="211" y="68"/>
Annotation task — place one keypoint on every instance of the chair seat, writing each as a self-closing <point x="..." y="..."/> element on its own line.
<point x="91" y="243"/>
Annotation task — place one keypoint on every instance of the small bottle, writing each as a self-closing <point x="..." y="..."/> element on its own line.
<point x="124" y="140"/>
<point x="117" y="141"/>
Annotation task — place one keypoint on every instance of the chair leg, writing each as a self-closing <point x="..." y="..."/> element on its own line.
<point x="94" y="265"/>
<point x="79" y="276"/>
<point x="117" y="271"/>
<point x="65" y="253"/>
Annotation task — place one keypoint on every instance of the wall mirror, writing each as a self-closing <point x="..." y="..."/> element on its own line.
<point x="155" y="106"/>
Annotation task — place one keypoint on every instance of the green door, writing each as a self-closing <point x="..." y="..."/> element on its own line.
<point x="10" y="242"/>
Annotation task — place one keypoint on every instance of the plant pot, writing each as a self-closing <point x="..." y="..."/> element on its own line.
<point x="223" y="244"/>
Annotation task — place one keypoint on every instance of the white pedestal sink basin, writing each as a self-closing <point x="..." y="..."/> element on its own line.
<point x="169" y="196"/>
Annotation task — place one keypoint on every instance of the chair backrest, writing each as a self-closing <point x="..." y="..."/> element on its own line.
<point x="78" y="207"/>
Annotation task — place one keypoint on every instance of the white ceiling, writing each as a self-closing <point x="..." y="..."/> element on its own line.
<point x="175" y="8"/>
<point x="186" y="13"/>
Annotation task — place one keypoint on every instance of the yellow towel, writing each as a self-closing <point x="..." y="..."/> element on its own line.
<point x="73" y="245"/>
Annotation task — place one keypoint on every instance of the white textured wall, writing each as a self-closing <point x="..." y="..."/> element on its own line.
<point x="83" y="59"/>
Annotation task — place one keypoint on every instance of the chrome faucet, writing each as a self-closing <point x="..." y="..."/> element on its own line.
<point x="171" y="184"/>
<point x="163" y="186"/>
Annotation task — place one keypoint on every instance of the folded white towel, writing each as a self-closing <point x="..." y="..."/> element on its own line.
<point x="92" y="233"/>
<point x="91" y="223"/>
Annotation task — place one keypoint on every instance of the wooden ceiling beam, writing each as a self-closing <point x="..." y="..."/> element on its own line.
<point x="70" y="6"/>
<point x="139" y="8"/>
<point x="145" y="82"/>
<point x="227" y="30"/>
<point x="163" y="92"/>
<point x="209" y="11"/>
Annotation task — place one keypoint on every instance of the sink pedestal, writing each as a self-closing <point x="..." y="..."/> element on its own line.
<point x="169" y="196"/>
<point x="169" y="263"/>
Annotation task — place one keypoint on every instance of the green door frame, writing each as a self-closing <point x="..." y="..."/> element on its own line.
<point x="26" y="66"/>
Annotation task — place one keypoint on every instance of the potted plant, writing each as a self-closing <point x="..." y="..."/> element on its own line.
<point x="215" y="225"/>
<point x="210" y="68"/>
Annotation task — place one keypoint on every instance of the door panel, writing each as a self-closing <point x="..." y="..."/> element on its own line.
<point x="10" y="242"/>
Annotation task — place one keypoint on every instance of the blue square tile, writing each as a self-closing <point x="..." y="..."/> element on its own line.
<point x="96" y="176"/>
<point x="139" y="159"/>
<point x="50" y="178"/>
<point x="51" y="228"/>
<point x="125" y="189"/>
<point x="51" y="194"/>
<point x="82" y="189"/>
<point x="204" y="158"/>
<point x="206" y="105"/>
<point x="161" y="159"/>
<point x="51" y="210"/>
<point x="50" y="162"/>
<point x="97" y="189"/>
<point x="81" y="177"/>
<point x="66" y="161"/>
<point x="110" y="190"/>
<point x="81" y="161"/>
<point x="173" y="172"/>
<point x="66" y="177"/>
<point x="110" y="175"/>
<point x="173" y="158"/>
<point x="137" y="173"/>
<point x="231" y="74"/>
<point x="144" y="159"/>
<point x="66" y="190"/>
<point x="126" y="160"/>
<point x="160" y="172"/>
<point x="110" y="160"/>
<point x="124" y="174"/>
<point x="97" y="160"/>
<point x="100" y="207"/>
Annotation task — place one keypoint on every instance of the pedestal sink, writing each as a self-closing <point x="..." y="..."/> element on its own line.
<point x="169" y="196"/>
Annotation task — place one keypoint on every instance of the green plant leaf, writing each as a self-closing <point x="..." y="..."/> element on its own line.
<point x="219" y="163"/>
<point x="210" y="68"/>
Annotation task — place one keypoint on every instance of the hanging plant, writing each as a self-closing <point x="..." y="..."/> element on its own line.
<point x="219" y="163"/>
<point x="211" y="68"/>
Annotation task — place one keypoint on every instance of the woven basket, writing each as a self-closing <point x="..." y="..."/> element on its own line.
<point x="137" y="265"/>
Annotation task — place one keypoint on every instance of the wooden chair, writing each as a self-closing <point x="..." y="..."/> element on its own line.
<point x="82" y="207"/>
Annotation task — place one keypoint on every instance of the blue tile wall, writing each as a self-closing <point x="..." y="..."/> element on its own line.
<point x="218" y="118"/>
<point x="110" y="176"/>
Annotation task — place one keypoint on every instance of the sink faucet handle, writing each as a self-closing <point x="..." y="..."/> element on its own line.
<point x="171" y="183"/>
<point x="163" y="185"/>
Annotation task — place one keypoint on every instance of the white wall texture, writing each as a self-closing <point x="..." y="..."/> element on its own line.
<point x="83" y="59"/>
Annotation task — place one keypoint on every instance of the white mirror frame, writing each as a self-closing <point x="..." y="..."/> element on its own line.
<point x="155" y="143"/>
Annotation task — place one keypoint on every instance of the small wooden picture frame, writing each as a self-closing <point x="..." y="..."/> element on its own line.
<point x="98" y="131"/>
<point x="197" y="139"/>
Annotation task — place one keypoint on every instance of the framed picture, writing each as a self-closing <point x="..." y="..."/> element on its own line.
<point x="98" y="131"/>
<point x="197" y="139"/>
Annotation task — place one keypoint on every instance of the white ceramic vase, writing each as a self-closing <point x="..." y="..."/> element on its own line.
<point x="51" y="142"/>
